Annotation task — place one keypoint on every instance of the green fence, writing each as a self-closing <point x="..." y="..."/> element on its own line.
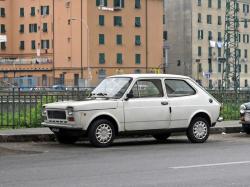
<point x="22" y="109"/>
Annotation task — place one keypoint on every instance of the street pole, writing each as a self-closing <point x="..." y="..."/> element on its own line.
<point x="81" y="42"/>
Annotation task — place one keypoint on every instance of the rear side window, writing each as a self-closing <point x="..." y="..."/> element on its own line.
<point x="147" y="88"/>
<point x="178" y="88"/>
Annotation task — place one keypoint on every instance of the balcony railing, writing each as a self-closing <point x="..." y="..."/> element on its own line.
<point x="26" y="61"/>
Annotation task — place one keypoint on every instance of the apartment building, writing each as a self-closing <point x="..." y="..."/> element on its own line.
<point x="80" y="42"/>
<point x="195" y="31"/>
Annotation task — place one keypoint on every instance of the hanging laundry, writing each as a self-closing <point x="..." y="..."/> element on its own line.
<point x="219" y="44"/>
<point x="212" y="43"/>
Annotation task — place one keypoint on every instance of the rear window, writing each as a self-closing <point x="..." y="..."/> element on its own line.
<point x="178" y="88"/>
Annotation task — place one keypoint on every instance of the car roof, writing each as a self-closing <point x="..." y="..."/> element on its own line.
<point x="151" y="76"/>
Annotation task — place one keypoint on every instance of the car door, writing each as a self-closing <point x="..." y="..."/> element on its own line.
<point x="182" y="101"/>
<point x="148" y="108"/>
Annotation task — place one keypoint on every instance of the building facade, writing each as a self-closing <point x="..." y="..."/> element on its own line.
<point x="80" y="42"/>
<point x="195" y="35"/>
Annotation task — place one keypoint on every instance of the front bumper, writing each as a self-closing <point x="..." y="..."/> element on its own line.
<point x="60" y="126"/>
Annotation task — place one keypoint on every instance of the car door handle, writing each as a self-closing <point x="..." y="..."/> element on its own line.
<point x="164" y="103"/>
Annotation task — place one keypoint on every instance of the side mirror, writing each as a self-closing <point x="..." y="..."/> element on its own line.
<point x="128" y="96"/>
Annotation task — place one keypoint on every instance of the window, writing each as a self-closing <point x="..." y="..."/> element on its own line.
<point x="219" y="52"/>
<point x="118" y="21"/>
<point x="45" y="44"/>
<point x="3" y="45"/>
<point x="147" y="88"/>
<point x="199" y="67"/>
<point x="199" y="18"/>
<point x="76" y="79"/>
<point x="101" y="39"/>
<point x="101" y="58"/>
<point x="101" y="20"/>
<point x="245" y="68"/>
<point x="200" y="34"/>
<point x="102" y="3"/>
<point x="245" y="8"/>
<point x="32" y="11"/>
<point x="119" y="58"/>
<point x="137" y="4"/>
<point x="199" y="51"/>
<point x="210" y="50"/>
<point x="210" y="84"/>
<point x="219" y="4"/>
<point x="21" y="28"/>
<point x="198" y="2"/>
<point x="101" y="74"/>
<point x="119" y="39"/>
<point x="219" y="37"/>
<point x="239" y="68"/>
<point x="210" y="35"/>
<point x="246" y="83"/>
<point x="245" y="53"/>
<point x="33" y="44"/>
<point x="2" y="12"/>
<point x="21" y="12"/>
<point x="219" y="20"/>
<point x="209" y="19"/>
<point x="209" y="3"/>
<point x="119" y="3"/>
<point x="32" y="28"/>
<point x="45" y="27"/>
<point x="245" y="23"/>
<point x="137" y="71"/>
<point x="2" y="27"/>
<point x="21" y="45"/>
<point x="137" y="58"/>
<point x="165" y="35"/>
<point x="219" y="68"/>
<point x="137" y="22"/>
<point x="137" y="40"/>
<point x="239" y="37"/>
<point x="178" y="88"/>
<point x="44" y="10"/>
<point x="238" y="53"/>
<point x="210" y="69"/>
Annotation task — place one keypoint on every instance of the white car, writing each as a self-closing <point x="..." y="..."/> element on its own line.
<point x="155" y="104"/>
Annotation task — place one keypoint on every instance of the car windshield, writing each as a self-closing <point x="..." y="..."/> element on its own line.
<point x="113" y="87"/>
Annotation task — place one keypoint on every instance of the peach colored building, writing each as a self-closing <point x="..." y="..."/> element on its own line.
<point x="80" y="41"/>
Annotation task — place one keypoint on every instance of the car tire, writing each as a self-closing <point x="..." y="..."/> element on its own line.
<point x="101" y="133"/>
<point x="161" y="137"/>
<point x="198" y="130"/>
<point x="65" y="139"/>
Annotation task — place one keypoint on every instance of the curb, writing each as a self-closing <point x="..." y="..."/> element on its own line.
<point x="36" y="137"/>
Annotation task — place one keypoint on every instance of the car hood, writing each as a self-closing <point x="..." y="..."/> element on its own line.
<point x="97" y="104"/>
<point x="247" y="105"/>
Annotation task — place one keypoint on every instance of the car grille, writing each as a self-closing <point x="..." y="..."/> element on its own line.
<point x="56" y="114"/>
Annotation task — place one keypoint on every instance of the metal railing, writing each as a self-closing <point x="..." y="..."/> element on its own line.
<point x="21" y="108"/>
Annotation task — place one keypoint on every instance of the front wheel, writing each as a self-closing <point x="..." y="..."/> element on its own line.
<point x="101" y="133"/>
<point x="198" y="130"/>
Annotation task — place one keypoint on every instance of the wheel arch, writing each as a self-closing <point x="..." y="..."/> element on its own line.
<point x="107" y="117"/>
<point x="202" y="114"/>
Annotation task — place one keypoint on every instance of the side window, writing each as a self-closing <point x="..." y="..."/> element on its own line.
<point x="178" y="88"/>
<point x="147" y="88"/>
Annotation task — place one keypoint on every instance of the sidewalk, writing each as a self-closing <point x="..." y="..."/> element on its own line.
<point x="44" y="134"/>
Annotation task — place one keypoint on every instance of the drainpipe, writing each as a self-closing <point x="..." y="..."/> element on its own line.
<point x="146" y="6"/>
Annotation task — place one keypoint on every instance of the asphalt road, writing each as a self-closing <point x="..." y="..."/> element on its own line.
<point x="223" y="161"/>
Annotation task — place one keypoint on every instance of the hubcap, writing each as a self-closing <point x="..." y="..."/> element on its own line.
<point x="103" y="133"/>
<point x="200" y="130"/>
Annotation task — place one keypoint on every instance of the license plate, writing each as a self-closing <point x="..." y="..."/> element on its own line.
<point x="55" y="130"/>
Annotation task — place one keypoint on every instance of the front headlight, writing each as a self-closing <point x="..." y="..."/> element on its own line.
<point x="242" y="109"/>
<point x="70" y="111"/>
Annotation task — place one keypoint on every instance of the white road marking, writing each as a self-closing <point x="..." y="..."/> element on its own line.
<point x="211" y="165"/>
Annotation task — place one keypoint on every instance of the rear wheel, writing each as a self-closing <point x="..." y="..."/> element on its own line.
<point x="198" y="130"/>
<point x="101" y="133"/>
<point x="161" y="137"/>
<point x="65" y="138"/>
